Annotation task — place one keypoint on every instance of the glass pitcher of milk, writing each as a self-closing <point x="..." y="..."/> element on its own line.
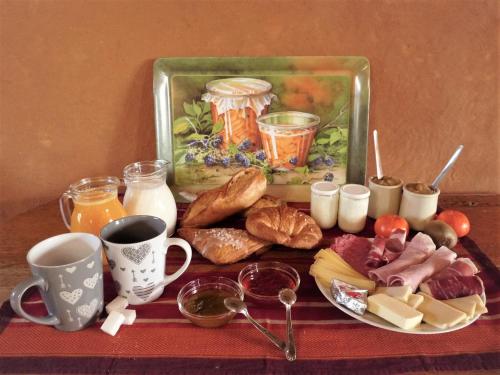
<point x="147" y="192"/>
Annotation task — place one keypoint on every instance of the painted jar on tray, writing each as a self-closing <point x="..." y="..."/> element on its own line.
<point x="287" y="137"/>
<point x="236" y="103"/>
<point x="147" y="192"/>
<point x="95" y="201"/>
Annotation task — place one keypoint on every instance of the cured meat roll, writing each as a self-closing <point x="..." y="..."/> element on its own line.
<point x="417" y="273"/>
<point x="419" y="249"/>
<point x="453" y="287"/>
<point x="460" y="267"/>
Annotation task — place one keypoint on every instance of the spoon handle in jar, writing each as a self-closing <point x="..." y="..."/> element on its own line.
<point x="447" y="167"/>
<point x="276" y="341"/>
<point x="378" y="162"/>
<point x="291" y="353"/>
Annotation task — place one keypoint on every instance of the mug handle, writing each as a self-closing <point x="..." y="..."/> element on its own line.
<point x="17" y="295"/>
<point x="64" y="208"/>
<point x="187" y="249"/>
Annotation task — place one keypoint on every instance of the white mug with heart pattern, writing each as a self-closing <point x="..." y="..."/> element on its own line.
<point x="136" y="249"/>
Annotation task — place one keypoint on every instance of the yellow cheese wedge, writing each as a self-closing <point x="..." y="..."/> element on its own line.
<point x="471" y="305"/>
<point x="400" y="292"/>
<point x="394" y="311"/>
<point x="468" y="306"/>
<point x="480" y="306"/>
<point x="326" y="275"/>
<point x="439" y="314"/>
<point x="414" y="300"/>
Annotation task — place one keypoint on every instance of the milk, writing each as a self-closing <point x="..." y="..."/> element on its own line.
<point x="151" y="198"/>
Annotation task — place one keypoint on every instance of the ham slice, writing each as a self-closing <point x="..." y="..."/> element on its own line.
<point x="453" y="287"/>
<point x="375" y="257"/>
<point x="419" y="249"/>
<point x="395" y="245"/>
<point x="417" y="273"/>
<point x="460" y="267"/>
<point x="354" y="250"/>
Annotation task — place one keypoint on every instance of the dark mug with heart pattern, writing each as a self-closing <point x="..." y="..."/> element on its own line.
<point x="136" y="249"/>
<point x="67" y="270"/>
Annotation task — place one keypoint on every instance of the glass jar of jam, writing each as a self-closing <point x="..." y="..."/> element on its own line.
<point x="287" y="137"/>
<point x="237" y="102"/>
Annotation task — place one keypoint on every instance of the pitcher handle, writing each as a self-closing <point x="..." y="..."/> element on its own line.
<point x="17" y="295"/>
<point x="187" y="249"/>
<point x="64" y="209"/>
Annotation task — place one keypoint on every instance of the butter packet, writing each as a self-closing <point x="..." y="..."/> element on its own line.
<point x="348" y="295"/>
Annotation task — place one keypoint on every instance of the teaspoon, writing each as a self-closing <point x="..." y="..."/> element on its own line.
<point x="288" y="298"/>
<point x="238" y="306"/>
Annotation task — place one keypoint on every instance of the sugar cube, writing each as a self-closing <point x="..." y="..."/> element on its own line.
<point x="113" y="322"/>
<point x="117" y="304"/>
<point x="129" y="316"/>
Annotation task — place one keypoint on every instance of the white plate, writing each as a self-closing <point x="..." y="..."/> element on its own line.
<point x="373" y="320"/>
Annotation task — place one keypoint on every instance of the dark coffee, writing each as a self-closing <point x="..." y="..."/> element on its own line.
<point x="133" y="232"/>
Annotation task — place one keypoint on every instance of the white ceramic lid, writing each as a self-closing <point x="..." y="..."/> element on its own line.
<point x="325" y="188"/>
<point x="355" y="191"/>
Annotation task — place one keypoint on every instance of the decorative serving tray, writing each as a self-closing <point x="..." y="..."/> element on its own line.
<point x="300" y="119"/>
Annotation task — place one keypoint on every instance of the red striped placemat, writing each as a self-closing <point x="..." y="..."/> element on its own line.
<point x="328" y="341"/>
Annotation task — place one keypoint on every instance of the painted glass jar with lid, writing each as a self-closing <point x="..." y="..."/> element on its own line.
<point x="236" y="103"/>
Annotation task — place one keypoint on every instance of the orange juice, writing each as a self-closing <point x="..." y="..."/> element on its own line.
<point x="95" y="202"/>
<point x="287" y="137"/>
<point x="90" y="215"/>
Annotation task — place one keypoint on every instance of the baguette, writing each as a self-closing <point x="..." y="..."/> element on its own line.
<point x="244" y="189"/>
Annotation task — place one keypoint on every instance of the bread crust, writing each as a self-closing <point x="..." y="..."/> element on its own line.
<point x="263" y="202"/>
<point x="240" y="192"/>
<point x="286" y="226"/>
<point x="224" y="245"/>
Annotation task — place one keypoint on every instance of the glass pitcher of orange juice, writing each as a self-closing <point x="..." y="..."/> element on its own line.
<point x="95" y="202"/>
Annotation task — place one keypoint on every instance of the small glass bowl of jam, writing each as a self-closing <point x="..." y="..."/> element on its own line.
<point x="202" y="300"/>
<point x="262" y="281"/>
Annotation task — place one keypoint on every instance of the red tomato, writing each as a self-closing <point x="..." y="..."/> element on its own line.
<point x="457" y="220"/>
<point x="385" y="224"/>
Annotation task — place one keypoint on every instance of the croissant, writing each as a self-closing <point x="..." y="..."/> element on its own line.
<point x="286" y="226"/>
<point x="240" y="192"/>
<point x="265" y="201"/>
<point x="224" y="245"/>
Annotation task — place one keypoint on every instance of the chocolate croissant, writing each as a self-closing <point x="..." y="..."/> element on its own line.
<point x="286" y="226"/>
<point x="223" y="245"/>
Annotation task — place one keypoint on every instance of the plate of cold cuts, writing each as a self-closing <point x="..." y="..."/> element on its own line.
<point x="436" y="276"/>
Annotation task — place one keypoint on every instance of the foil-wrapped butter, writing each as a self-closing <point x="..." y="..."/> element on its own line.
<point x="353" y="298"/>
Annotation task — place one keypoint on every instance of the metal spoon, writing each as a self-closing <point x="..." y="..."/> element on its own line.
<point x="288" y="298"/>
<point x="238" y="306"/>
<point x="447" y="167"/>
<point x="378" y="161"/>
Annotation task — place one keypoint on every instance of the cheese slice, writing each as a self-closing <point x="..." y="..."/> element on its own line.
<point x="480" y="306"/>
<point x="394" y="311"/>
<point x="326" y="275"/>
<point x="399" y="292"/>
<point x="439" y="314"/>
<point x="471" y="305"/>
<point x="336" y="261"/>
<point x="414" y="300"/>
<point x="467" y="305"/>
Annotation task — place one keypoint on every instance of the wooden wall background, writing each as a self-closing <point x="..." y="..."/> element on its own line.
<point x="76" y="80"/>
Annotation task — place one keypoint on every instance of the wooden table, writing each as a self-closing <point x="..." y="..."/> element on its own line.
<point x="19" y="234"/>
